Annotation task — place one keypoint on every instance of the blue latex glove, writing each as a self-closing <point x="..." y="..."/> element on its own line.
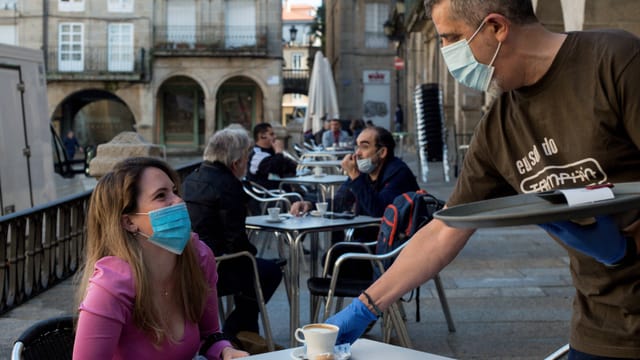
<point x="601" y="240"/>
<point x="352" y="321"/>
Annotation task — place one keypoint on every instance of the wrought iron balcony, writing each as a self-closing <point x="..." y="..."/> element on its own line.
<point x="295" y="81"/>
<point x="97" y="63"/>
<point x="210" y="40"/>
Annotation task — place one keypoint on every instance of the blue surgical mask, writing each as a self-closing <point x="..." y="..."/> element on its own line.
<point x="171" y="227"/>
<point x="464" y="66"/>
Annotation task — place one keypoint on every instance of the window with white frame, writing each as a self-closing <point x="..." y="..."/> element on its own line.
<point x="181" y="22"/>
<point x="71" y="47"/>
<point x="296" y="64"/>
<point x="120" y="47"/>
<point x="240" y="23"/>
<point x="70" y="5"/>
<point x="376" y="15"/>
<point x="8" y="34"/>
<point x="120" y="5"/>
<point x="296" y="61"/>
<point x="8" y="4"/>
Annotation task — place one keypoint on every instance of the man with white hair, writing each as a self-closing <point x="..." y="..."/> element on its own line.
<point x="218" y="208"/>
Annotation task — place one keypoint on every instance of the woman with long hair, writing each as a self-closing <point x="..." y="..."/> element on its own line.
<point x="148" y="289"/>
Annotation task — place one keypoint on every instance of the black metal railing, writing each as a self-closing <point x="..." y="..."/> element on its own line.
<point x="210" y="40"/>
<point x="295" y="81"/>
<point x="97" y="63"/>
<point x="42" y="246"/>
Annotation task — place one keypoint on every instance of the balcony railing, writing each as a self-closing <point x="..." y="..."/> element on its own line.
<point x="295" y="81"/>
<point x="41" y="246"/>
<point x="210" y="40"/>
<point x="97" y="63"/>
<point x="375" y="40"/>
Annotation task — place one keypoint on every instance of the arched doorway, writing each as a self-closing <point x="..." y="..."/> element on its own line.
<point x="182" y="120"/>
<point x="96" y="116"/>
<point x="239" y="100"/>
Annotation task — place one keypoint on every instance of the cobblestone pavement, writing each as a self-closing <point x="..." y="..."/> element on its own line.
<point x="509" y="292"/>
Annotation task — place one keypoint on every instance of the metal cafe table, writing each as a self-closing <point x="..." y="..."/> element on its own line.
<point x="362" y="349"/>
<point x="294" y="230"/>
<point x="325" y="182"/>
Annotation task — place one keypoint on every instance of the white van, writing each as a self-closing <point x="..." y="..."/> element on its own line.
<point x="26" y="161"/>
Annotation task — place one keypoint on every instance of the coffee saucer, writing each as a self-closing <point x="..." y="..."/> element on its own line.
<point x="315" y="213"/>
<point x="281" y="218"/>
<point x="340" y="352"/>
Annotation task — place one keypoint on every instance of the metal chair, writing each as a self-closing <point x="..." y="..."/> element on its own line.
<point x="561" y="353"/>
<point x="266" y="197"/>
<point x="266" y="325"/>
<point x="331" y="285"/>
<point x="47" y="339"/>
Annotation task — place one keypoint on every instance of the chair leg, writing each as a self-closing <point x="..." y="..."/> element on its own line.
<point x="266" y="324"/>
<point x="221" y="311"/>
<point x="444" y="303"/>
<point x="399" y="325"/>
<point x="559" y="354"/>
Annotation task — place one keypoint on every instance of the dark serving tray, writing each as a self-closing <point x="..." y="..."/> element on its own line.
<point x="527" y="209"/>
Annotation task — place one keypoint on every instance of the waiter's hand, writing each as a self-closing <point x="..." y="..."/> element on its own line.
<point x="350" y="167"/>
<point x="300" y="207"/>
<point x="601" y="239"/>
<point x="353" y="320"/>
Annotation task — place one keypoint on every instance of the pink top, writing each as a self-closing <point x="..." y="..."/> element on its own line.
<point x="105" y="326"/>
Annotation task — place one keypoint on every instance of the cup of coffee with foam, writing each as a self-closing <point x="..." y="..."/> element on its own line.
<point x="320" y="340"/>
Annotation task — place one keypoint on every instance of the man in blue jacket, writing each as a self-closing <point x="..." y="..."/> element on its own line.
<point x="376" y="177"/>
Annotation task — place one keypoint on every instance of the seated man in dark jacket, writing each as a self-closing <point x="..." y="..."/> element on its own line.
<point x="218" y="207"/>
<point x="266" y="162"/>
<point x="376" y="177"/>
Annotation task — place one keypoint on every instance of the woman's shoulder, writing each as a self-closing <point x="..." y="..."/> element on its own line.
<point x="114" y="273"/>
<point x="203" y="251"/>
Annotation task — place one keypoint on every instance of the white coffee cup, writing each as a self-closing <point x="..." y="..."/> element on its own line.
<point x="317" y="171"/>
<point x="274" y="213"/>
<point x="319" y="338"/>
<point x="322" y="207"/>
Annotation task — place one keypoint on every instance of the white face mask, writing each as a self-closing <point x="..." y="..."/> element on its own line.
<point x="465" y="68"/>
<point x="365" y="166"/>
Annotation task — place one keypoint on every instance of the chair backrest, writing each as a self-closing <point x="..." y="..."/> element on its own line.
<point x="404" y="217"/>
<point x="47" y="339"/>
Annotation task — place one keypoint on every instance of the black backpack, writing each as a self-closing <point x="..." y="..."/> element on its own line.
<point x="401" y="220"/>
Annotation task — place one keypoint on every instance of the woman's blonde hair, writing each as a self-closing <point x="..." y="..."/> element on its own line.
<point x="116" y="194"/>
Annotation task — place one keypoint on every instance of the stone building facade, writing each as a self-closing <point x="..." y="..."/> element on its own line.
<point x="172" y="70"/>
<point x="362" y="58"/>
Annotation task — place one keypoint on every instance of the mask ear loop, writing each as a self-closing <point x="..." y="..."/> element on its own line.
<point x="496" y="54"/>
<point x="476" y="32"/>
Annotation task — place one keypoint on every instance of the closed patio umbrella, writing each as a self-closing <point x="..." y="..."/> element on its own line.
<point x="323" y="100"/>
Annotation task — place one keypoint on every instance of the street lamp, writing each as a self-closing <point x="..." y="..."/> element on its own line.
<point x="292" y="33"/>
<point x="389" y="29"/>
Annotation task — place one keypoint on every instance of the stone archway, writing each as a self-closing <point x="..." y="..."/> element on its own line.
<point x="239" y="100"/>
<point x="181" y="113"/>
<point x="96" y="116"/>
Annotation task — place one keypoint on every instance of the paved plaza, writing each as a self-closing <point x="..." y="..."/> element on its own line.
<point x="509" y="292"/>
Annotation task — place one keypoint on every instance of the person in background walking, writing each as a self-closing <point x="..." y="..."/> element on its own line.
<point x="399" y="119"/>
<point x="71" y="144"/>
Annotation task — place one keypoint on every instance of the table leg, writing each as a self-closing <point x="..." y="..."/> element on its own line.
<point x="294" y="317"/>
